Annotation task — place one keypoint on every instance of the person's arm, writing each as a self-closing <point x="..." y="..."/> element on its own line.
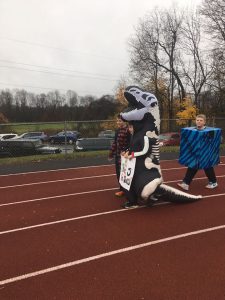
<point x="112" y="151"/>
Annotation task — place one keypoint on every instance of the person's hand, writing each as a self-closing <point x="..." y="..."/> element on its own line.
<point x="110" y="158"/>
<point x="126" y="154"/>
<point x="123" y="153"/>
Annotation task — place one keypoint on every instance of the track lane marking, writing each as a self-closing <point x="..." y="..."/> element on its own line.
<point x="66" y="220"/>
<point x="86" y="192"/>
<point x="108" y="254"/>
<point x="79" y="178"/>
<point x="58" y="196"/>
<point x="71" y="179"/>
<point x="90" y="216"/>
<point x="57" y="170"/>
<point x="55" y="181"/>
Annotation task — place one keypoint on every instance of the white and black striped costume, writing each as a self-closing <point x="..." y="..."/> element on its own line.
<point x="143" y="114"/>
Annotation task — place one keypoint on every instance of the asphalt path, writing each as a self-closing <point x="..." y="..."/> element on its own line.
<point x="71" y="163"/>
<point x="65" y="164"/>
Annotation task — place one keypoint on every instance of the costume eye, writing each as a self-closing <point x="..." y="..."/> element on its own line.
<point x="144" y="96"/>
<point x="154" y="104"/>
<point x="150" y="98"/>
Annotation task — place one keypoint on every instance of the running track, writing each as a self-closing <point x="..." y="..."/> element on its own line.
<point x="64" y="236"/>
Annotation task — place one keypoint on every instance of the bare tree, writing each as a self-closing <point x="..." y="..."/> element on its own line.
<point x="6" y="103"/>
<point x="154" y="50"/>
<point x="21" y="97"/>
<point x="56" y="99"/>
<point x="195" y="57"/>
<point x="41" y="101"/>
<point x="72" y="98"/>
<point x="214" y="13"/>
<point x="87" y="100"/>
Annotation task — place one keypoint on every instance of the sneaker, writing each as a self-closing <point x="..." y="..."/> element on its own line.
<point x="119" y="194"/>
<point x="211" y="185"/>
<point x="184" y="186"/>
<point x="129" y="205"/>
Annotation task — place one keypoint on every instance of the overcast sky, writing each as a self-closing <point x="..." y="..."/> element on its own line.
<point x="69" y="44"/>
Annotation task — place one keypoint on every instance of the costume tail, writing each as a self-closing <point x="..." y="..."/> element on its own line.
<point x="170" y="194"/>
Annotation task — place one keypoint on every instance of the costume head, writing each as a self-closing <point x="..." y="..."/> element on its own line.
<point x="142" y="107"/>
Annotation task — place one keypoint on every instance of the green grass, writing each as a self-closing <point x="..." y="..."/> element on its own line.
<point x="86" y="128"/>
<point x="169" y="149"/>
<point x="48" y="128"/>
<point x="39" y="158"/>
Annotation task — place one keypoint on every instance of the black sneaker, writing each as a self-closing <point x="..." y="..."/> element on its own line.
<point x="129" y="205"/>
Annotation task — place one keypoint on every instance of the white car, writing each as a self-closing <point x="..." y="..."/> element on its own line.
<point x="37" y="135"/>
<point x="7" y="136"/>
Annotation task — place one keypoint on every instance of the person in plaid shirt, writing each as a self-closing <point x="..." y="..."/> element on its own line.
<point x="120" y="144"/>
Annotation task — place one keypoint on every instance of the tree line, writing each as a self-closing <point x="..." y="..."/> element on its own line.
<point x="21" y="106"/>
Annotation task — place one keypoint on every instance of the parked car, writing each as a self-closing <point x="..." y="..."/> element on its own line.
<point x="48" y="150"/>
<point x="7" y="136"/>
<point x="40" y="135"/>
<point x="107" y="134"/>
<point x="169" y="139"/>
<point x="22" y="147"/>
<point x="69" y="136"/>
<point x="86" y="144"/>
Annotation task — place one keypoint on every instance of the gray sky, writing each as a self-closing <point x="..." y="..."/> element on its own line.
<point x="69" y="44"/>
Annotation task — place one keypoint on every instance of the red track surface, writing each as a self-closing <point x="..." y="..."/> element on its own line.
<point x="63" y="236"/>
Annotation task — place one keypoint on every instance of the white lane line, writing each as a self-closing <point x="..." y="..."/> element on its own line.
<point x="87" y="192"/>
<point x="64" y="180"/>
<point x="197" y="178"/>
<point x="215" y="195"/>
<point x="90" y="216"/>
<point x="108" y="254"/>
<point x="78" y="178"/>
<point x="59" y="196"/>
<point x="67" y="220"/>
<point x="69" y="179"/>
<point x="54" y="181"/>
<point x="58" y="170"/>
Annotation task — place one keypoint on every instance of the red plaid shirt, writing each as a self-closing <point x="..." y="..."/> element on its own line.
<point x="121" y="142"/>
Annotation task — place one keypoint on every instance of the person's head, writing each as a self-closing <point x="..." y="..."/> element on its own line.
<point x="200" y="121"/>
<point x="120" y="123"/>
<point x="131" y="128"/>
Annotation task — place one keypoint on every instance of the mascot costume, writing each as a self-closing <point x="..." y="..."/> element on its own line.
<point x="143" y="114"/>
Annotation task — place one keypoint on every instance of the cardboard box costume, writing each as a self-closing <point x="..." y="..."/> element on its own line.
<point x="199" y="149"/>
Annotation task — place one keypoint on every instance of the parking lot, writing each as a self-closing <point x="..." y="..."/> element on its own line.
<point x="65" y="142"/>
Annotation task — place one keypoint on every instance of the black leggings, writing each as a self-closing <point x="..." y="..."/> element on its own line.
<point x="209" y="172"/>
<point x="118" y="166"/>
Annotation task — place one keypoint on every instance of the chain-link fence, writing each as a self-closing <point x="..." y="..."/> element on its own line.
<point x="60" y="137"/>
